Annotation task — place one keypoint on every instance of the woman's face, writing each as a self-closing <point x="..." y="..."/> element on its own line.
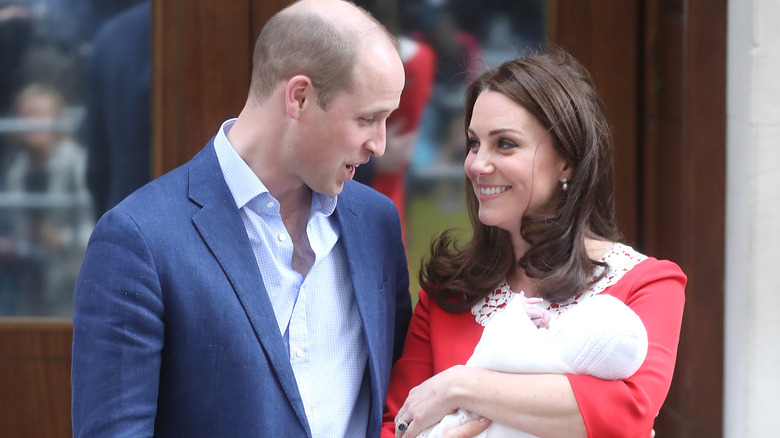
<point x="511" y="162"/>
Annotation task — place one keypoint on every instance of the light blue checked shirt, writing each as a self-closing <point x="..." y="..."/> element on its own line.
<point x="317" y="315"/>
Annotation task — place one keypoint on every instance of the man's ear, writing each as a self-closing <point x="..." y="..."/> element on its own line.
<point x="298" y="94"/>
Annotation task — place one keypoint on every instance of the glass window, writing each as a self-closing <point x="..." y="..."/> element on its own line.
<point x="46" y="208"/>
<point x="444" y="45"/>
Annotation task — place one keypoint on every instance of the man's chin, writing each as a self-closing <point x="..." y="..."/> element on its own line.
<point x="333" y="190"/>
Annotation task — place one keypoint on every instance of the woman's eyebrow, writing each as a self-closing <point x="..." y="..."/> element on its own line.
<point x="498" y="131"/>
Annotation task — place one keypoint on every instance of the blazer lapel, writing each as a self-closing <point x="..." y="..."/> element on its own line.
<point x="365" y="281"/>
<point x="222" y="229"/>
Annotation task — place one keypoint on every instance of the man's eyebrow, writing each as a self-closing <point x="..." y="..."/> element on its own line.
<point x="380" y="110"/>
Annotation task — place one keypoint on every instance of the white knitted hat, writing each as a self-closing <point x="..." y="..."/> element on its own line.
<point x="602" y="337"/>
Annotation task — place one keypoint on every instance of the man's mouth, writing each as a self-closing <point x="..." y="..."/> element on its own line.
<point x="351" y="168"/>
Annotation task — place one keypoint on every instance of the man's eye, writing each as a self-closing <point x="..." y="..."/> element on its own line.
<point x="367" y="120"/>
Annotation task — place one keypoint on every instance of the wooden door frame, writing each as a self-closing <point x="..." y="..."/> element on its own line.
<point x="35" y="393"/>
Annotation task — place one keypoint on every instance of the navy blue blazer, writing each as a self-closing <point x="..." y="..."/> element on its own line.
<point x="174" y="333"/>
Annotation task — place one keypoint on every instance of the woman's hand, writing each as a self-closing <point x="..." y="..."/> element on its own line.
<point x="429" y="402"/>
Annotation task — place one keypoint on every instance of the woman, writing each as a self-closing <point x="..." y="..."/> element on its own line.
<point x="540" y="196"/>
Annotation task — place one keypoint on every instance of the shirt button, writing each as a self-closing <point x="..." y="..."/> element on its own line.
<point x="299" y="352"/>
<point x="282" y="237"/>
<point x="308" y="412"/>
<point x="269" y="205"/>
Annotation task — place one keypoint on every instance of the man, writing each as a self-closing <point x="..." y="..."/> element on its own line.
<point x="256" y="290"/>
<point x="118" y="124"/>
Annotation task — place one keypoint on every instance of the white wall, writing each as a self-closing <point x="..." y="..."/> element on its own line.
<point x="752" y="302"/>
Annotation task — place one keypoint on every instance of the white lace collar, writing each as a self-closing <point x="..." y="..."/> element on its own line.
<point x="621" y="259"/>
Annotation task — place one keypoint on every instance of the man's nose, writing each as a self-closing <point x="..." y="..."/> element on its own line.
<point x="378" y="142"/>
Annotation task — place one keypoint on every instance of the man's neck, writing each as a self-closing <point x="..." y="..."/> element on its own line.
<point x="295" y="209"/>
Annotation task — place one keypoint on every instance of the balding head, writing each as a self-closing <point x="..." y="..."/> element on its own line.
<point x="344" y="14"/>
<point x="322" y="39"/>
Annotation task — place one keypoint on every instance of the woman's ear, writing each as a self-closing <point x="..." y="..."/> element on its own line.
<point x="566" y="172"/>
<point x="298" y="94"/>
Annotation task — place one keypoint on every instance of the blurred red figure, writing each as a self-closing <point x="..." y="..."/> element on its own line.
<point x="402" y="126"/>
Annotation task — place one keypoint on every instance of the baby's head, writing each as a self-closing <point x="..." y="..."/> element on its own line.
<point x="601" y="337"/>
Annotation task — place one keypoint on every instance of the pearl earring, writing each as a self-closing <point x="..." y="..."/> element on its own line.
<point x="564" y="184"/>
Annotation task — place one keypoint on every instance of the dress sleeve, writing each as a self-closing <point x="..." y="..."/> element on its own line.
<point x="414" y="367"/>
<point x="654" y="290"/>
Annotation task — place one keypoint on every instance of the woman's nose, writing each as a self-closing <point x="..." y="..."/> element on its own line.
<point x="482" y="162"/>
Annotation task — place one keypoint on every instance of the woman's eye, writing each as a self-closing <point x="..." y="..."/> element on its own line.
<point x="471" y="144"/>
<point x="506" y="144"/>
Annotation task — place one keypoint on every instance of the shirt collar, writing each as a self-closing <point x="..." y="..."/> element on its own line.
<point x="244" y="184"/>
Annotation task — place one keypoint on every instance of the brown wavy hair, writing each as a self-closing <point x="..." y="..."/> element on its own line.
<point x="559" y="92"/>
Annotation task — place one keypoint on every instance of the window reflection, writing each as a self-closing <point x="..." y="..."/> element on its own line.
<point x="47" y="206"/>
<point x="46" y="47"/>
<point x="46" y="212"/>
<point x="464" y="37"/>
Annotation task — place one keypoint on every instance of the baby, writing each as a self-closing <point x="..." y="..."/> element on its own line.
<point x="600" y="336"/>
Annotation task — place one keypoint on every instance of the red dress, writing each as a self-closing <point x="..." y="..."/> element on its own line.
<point x="652" y="288"/>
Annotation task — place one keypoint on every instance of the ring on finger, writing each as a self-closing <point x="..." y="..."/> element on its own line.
<point x="401" y="424"/>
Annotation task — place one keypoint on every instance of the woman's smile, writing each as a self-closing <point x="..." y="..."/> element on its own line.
<point x="490" y="191"/>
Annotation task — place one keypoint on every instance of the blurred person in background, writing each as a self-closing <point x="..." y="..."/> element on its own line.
<point x="117" y="129"/>
<point x="387" y="174"/>
<point x="51" y="226"/>
<point x="15" y="35"/>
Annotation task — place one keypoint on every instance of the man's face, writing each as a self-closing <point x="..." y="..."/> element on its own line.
<point x="352" y="129"/>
